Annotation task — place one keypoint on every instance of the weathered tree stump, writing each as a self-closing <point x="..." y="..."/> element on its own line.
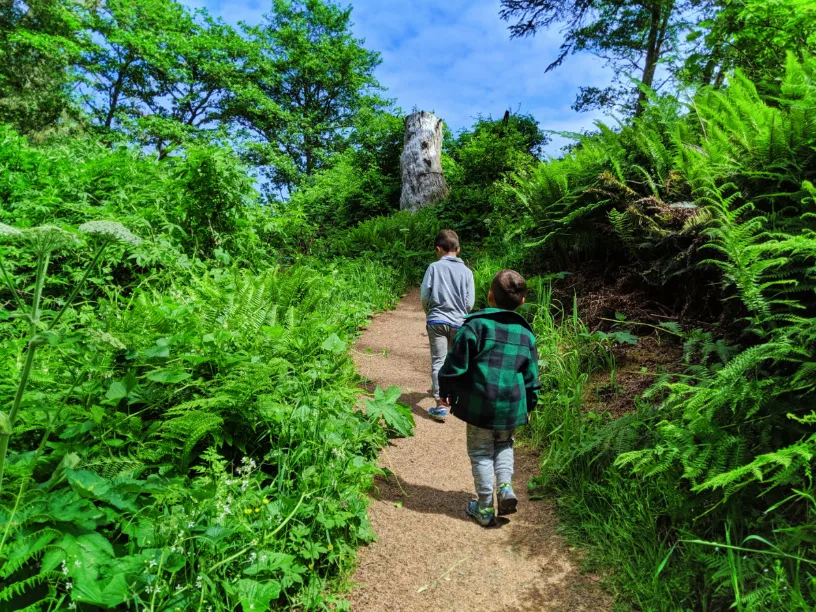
<point x="423" y="183"/>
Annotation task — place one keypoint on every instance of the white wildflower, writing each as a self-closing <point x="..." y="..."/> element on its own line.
<point x="110" y="230"/>
<point x="190" y="525"/>
<point x="72" y="606"/>
<point x="101" y="337"/>
<point x="47" y="238"/>
<point x="8" y="231"/>
<point x="64" y="568"/>
<point x="153" y="563"/>
<point x="69" y="585"/>
<point x="249" y="465"/>
<point x="78" y="563"/>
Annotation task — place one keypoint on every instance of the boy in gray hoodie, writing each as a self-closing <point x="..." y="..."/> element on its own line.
<point x="448" y="294"/>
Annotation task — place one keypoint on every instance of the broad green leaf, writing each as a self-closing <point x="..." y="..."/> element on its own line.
<point x="398" y="418"/>
<point x="255" y="595"/>
<point x="116" y="391"/>
<point x="269" y="562"/>
<point x="334" y="344"/>
<point x="168" y="376"/>
<point x="623" y="337"/>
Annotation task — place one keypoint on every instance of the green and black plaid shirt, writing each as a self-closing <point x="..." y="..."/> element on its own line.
<point x="491" y="372"/>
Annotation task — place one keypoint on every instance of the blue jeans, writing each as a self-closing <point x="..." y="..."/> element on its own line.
<point x="490" y="452"/>
<point x="441" y="339"/>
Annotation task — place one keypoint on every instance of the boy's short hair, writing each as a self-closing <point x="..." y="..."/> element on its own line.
<point x="509" y="289"/>
<point x="447" y="240"/>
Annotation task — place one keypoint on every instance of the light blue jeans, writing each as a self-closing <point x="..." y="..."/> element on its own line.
<point x="490" y="452"/>
<point x="441" y="339"/>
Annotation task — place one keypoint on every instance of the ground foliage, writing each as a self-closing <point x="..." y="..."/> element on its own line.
<point x="702" y="497"/>
<point x="187" y="437"/>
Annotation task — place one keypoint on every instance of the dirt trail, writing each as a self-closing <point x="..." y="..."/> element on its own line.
<point x="429" y="555"/>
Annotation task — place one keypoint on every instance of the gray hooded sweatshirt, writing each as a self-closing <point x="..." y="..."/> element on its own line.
<point x="447" y="291"/>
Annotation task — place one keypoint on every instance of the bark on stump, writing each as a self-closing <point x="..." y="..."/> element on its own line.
<point x="423" y="183"/>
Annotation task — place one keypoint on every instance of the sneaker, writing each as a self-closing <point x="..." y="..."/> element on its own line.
<point x="439" y="413"/>
<point x="484" y="516"/>
<point x="507" y="499"/>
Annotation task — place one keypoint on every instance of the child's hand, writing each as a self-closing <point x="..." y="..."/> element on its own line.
<point x="445" y="401"/>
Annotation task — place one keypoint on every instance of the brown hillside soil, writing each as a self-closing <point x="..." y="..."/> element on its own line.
<point x="636" y="369"/>
<point x="429" y="555"/>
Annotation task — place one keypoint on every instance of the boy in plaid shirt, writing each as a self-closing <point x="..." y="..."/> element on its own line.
<point x="490" y="378"/>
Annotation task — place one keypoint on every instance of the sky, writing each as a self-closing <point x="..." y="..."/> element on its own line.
<point x="455" y="57"/>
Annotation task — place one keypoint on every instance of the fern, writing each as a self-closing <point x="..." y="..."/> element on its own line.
<point x="190" y="428"/>
<point x="21" y="587"/>
<point x="25" y="549"/>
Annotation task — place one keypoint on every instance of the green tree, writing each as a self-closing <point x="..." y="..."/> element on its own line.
<point x="632" y="37"/>
<point x="362" y="181"/>
<point x="321" y="77"/>
<point x="477" y="161"/>
<point x="753" y="35"/>
<point x="38" y="42"/>
<point x="494" y="147"/>
<point x="159" y="72"/>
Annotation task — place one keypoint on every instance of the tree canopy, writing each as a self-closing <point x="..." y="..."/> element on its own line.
<point x="306" y="60"/>
<point x="635" y="38"/>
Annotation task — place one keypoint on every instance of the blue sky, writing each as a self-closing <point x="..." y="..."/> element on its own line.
<point x="455" y="57"/>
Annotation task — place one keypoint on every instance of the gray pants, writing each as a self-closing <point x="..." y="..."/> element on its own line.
<point x="441" y="339"/>
<point x="490" y="451"/>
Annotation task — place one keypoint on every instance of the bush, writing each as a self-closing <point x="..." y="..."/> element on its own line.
<point x="182" y="429"/>
<point x="705" y="490"/>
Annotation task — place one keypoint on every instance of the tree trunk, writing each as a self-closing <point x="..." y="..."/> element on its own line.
<point x="423" y="183"/>
<point x="659" y="23"/>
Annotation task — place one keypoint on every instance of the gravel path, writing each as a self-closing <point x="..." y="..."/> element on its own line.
<point x="429" y="555"/>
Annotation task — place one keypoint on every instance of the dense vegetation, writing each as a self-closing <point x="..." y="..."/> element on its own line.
<point x="196" y="220"/>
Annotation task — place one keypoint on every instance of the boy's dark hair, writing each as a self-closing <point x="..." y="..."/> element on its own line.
<point x="447" y="240"/>
<point x="509" y="289"/>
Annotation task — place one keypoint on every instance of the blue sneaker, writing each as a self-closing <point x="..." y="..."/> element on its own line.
<point x="439" y="413"/>
<point x="482" y="515"/>
<point x="507" y="499"/>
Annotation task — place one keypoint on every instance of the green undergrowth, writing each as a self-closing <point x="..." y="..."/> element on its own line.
<point x="701" y="497"/>
<point x="195" y="448"/>
<point x="179" y="426"/>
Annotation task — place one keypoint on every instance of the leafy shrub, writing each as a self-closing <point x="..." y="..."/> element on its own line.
<point x="705" y="490"/>
<point x="476" y="163"/>
<point x="403" y="240"/>
<point x="189" y="440"/>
